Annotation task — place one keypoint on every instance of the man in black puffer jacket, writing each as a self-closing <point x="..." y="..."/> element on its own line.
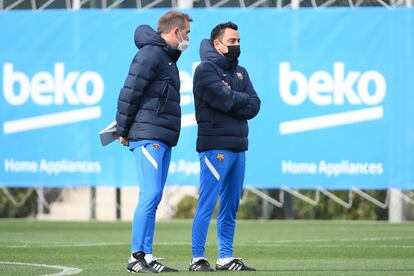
<point x="149" y="121"/>
<point x="224" y="100"/>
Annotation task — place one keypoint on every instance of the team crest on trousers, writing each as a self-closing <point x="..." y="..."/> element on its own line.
<point x="220" y="157"/>
<point x="239" y="75"/>
<point x="157" y="146"/>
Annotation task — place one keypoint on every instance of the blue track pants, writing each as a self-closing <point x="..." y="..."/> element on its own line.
<point x="152" y="161"/>
<point x="221" y="176"/>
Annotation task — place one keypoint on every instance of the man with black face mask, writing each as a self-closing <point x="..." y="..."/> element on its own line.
<point x="224" y="100"/>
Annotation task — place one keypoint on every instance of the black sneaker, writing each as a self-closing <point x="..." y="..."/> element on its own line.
<point x="200" y="265"/>
<point x="235" y="264"/>
<point x="137" y="264"/>
<point x="160" y="267"/>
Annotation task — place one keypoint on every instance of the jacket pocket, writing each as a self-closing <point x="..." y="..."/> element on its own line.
<point x="163" y="99"/>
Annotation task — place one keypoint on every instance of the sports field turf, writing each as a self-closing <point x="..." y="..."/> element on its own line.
<point x="273" y="247"/>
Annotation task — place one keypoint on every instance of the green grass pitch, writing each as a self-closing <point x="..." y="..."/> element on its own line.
<point x="273" y="247"/>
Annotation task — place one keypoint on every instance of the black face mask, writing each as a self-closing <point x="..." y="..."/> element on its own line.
<point x="233" y="53"/>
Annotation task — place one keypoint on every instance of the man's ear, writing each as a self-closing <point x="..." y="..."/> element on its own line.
<point x="175" y="30"/>
<point x="216" y="43"/>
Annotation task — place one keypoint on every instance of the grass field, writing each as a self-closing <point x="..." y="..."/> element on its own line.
<point x="273" y="247"/>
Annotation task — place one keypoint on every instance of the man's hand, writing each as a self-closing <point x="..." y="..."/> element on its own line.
<point x="123" y="141"/>
<point x="226" y="84"/>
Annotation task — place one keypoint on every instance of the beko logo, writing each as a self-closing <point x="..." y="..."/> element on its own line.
<point x="45" y="89"/>
<point x="365" y="89"/>
<point x="187" y="101"/>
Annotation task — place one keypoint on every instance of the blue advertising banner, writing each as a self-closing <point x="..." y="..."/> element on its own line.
<point x="336" y="87"/>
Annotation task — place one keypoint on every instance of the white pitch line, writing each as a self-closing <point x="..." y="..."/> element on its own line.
<point x="261" y="243"/>
<point x="330" y="240"/>
<point x="63" y="245"/>
<point x="334" y="246"/>
<point x="66" y="270"/>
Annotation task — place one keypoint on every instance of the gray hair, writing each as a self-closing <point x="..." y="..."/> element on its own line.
<point x="172" y="19"/>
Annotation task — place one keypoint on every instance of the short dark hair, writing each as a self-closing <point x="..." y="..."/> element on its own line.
<point x="218" y="30"/>
<point x="172" y="19"/>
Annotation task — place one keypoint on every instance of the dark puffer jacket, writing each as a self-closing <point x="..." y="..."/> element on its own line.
<point x="222" y="112"/>
<point x="149" y="102"/>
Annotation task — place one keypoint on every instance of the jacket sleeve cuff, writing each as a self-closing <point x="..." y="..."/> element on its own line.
<point x="121" y="132"/>
<point x="242" y="99"/>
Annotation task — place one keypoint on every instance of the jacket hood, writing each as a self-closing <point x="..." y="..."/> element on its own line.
<point x="145" y="35"/>
<point x="209" y="53"/>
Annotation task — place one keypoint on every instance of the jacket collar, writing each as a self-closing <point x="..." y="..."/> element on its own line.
<point x="209" y="53"/>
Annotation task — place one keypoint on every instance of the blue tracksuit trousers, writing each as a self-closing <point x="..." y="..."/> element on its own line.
<point x="152" y="161"/>
<point x="221" y="176"/>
